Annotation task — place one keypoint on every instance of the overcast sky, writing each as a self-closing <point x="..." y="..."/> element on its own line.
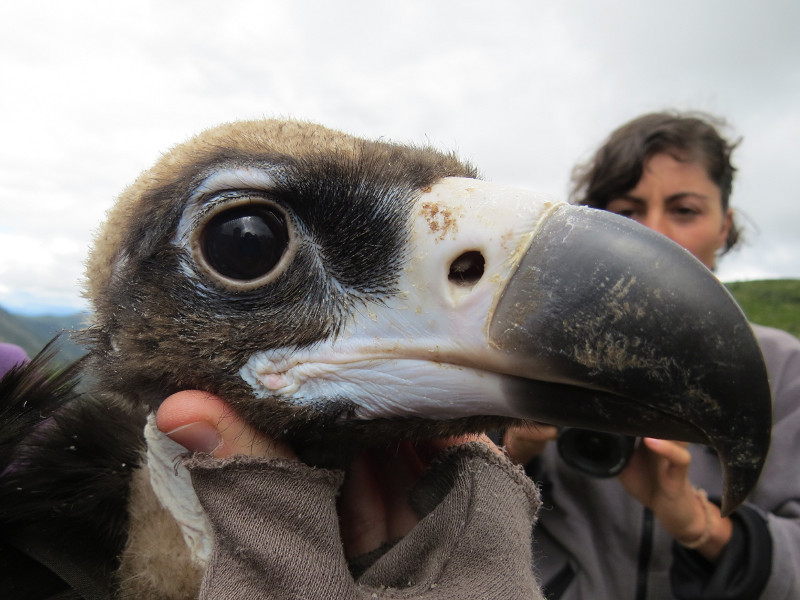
<point x="93" y="92"/>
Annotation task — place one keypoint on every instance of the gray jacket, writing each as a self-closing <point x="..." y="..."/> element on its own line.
<point x="595" y="542"/>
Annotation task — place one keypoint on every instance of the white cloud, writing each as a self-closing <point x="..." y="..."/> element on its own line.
<point x="44" y="272"/>
<point x="98" y="90"/>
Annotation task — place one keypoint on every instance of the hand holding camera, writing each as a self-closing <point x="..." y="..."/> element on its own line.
<point x="595" y="453"/>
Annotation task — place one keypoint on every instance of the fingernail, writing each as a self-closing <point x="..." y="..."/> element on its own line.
<point x="197" y="437"/>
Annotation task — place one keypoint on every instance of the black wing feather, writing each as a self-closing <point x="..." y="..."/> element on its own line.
<point x="66" y="459"/>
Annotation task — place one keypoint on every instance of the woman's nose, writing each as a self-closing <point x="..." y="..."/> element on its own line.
<point x="656" y="221"/>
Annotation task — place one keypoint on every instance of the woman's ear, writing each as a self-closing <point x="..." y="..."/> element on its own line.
<point x="727" y="223"/>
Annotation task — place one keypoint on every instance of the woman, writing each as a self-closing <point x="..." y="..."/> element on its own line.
<point x="655" y="532"/>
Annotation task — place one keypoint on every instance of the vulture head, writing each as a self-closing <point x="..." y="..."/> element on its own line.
<point x="341" y="292"/>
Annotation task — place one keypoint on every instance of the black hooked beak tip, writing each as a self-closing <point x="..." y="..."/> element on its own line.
<point x="628" y="333"/>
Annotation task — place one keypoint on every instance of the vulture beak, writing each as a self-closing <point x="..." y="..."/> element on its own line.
<point x="649" y="342"/>
<point x="511" y="304"/>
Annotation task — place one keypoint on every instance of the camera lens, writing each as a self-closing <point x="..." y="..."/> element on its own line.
<point x="596" y="453"/>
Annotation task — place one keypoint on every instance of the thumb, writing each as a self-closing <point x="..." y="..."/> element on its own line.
<point x="203" y="422"/>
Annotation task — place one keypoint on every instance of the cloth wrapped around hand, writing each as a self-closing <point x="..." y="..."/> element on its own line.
<point x="277" y="532"/>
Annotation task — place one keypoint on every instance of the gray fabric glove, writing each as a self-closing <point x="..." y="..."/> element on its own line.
<point x="277" y="532"/>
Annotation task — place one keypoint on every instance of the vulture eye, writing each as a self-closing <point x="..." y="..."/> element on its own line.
<point x="245" y="243"/>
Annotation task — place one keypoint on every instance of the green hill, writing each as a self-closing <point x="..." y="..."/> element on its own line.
<point x="32" y="332"/>
<point x="773" y="302"/>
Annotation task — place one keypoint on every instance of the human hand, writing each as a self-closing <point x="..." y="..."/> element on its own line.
<point x="658" y="477"/>
<point x="202" y="422"/>
<point x="374" y="503"/>
<point x="271" y="517"/>
<point x="525" y="442"/>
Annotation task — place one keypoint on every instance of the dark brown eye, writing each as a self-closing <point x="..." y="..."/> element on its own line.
<point x="245" y="242"/>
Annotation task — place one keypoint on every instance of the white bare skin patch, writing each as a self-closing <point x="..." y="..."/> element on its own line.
<point x="424" y="352"/>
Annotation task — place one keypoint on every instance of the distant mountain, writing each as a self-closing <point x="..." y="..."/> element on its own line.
<point x="33" y="332"/>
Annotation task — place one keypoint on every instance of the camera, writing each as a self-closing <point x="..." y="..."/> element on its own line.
<point x="596" y="453"/>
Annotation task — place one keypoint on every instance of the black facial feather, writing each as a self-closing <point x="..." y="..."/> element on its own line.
<point x="357" y="210"/>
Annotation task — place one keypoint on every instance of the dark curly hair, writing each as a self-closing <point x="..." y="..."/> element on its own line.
<point x="618" y="164"/>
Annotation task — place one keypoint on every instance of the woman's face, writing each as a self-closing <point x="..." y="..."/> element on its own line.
<point x="678" y="200"/>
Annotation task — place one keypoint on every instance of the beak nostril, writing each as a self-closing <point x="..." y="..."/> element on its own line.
<point x="467" y="269"/>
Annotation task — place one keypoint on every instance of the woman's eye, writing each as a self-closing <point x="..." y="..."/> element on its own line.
<point x="685" y="212"/>
<point x="245" y="242"/>
<point x="623" y="207"/>
<point x="623" y="210"/>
